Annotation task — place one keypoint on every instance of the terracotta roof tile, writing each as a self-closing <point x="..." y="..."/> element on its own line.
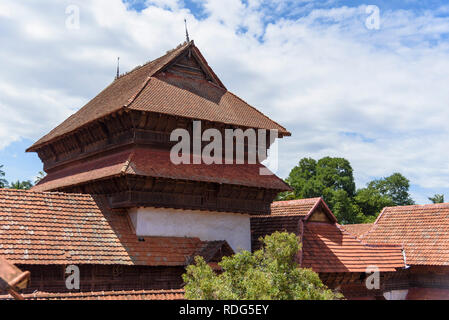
<point x="423" y="230"/>
<point x="106" y="295"/>
<point x="198" y="99"/>
<point x="156" y="163"/>
<point x="300" y="207"/>
<point x="358" y="229"/>
<point x="327" y="248"/>
<point x="57" y="228"/>
<point x="140" y="90"/>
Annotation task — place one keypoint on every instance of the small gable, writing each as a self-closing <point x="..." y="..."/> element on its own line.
<point x="321" y="213"/>
<point x="319" y="216"/>
<point x="187" y="67"/>
<point x="191" y="65"/>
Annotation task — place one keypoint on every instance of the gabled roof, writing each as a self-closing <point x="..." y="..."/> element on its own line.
<point x="58" y="228"/>
<point x="156" y="163"/>
<point x="297" y="207"/>
<point x="327" y="248"/>
<point x="106" y="295"/>
<point x="423" y="231"/>
<point x="147" y="88"/>
<point x="302" y="207"/>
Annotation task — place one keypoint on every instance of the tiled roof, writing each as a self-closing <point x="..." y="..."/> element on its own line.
<point x="358" y="229"/>
<point x="300" y="207"/>
<point x="106" y="295"/>
<point x="328" y="249"/>
<point x="423" y="230"/>
<point x="157" y="163"/>
<point x="141" y="90"/>
<point x="58" y="228"/>
<point x="199" y="99"/>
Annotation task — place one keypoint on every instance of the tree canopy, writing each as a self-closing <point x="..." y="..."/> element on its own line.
<point x="21" y="185"/>
<point x="438" y="198"/>
<point x="333" y="180"/>
<point x="271" y="273"/>
<point x="396" y="187"/>
<point x="3" y="182"/>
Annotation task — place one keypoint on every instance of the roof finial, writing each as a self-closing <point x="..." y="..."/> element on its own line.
<point x="187" y="31"/>
<point x="118" y="68"/>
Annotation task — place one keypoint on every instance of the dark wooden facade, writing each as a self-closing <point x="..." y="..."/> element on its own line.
<point x="52" y="278"/>
<point x="127" y="130"/>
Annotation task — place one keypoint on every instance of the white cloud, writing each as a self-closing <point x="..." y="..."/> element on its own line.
<point x="376" y="97"/>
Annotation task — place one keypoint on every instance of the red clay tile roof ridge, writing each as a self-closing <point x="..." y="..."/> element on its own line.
<point x="54" y="193"/>
<point x="295" y="201"/>
<point x="403" y="208"/>
<point x="154" y="60"/>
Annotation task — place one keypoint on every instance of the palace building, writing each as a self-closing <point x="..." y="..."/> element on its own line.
<point x="114" y="205"/>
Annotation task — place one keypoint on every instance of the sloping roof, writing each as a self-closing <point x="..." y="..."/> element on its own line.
<point x="157" y="163"/>
<point x="423" y="230"/>
<point x="300" y="207"/>
<point x="106" y="295"/>
<point x="141" y="90"/>
<point x="58" y="228"/>
<point x="327" y="248"/>
<point x="358" y="230"/>
<point x="213" y="252"/>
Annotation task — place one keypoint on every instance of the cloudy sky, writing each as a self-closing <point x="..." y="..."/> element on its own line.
<point x="343" y="82"/>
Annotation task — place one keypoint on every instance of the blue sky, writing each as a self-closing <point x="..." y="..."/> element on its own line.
<point x="377" y="97"/>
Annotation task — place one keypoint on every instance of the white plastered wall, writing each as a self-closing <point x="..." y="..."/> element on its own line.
<point x="208" y="226"/>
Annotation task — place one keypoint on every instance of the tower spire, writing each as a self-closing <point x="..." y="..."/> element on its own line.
<point x="187" y="31"/>
<point x="118" y="68"/>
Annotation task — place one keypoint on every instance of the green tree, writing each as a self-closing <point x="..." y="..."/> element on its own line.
<point x="371" y="201"/>
<point x="396" y="187"/>
<point x="330" y="178"/>
<point x="21" y="185"/>
<point x="438" y="198"/>
<point x="271" y="273"/>
<point x="3" y="182"/>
